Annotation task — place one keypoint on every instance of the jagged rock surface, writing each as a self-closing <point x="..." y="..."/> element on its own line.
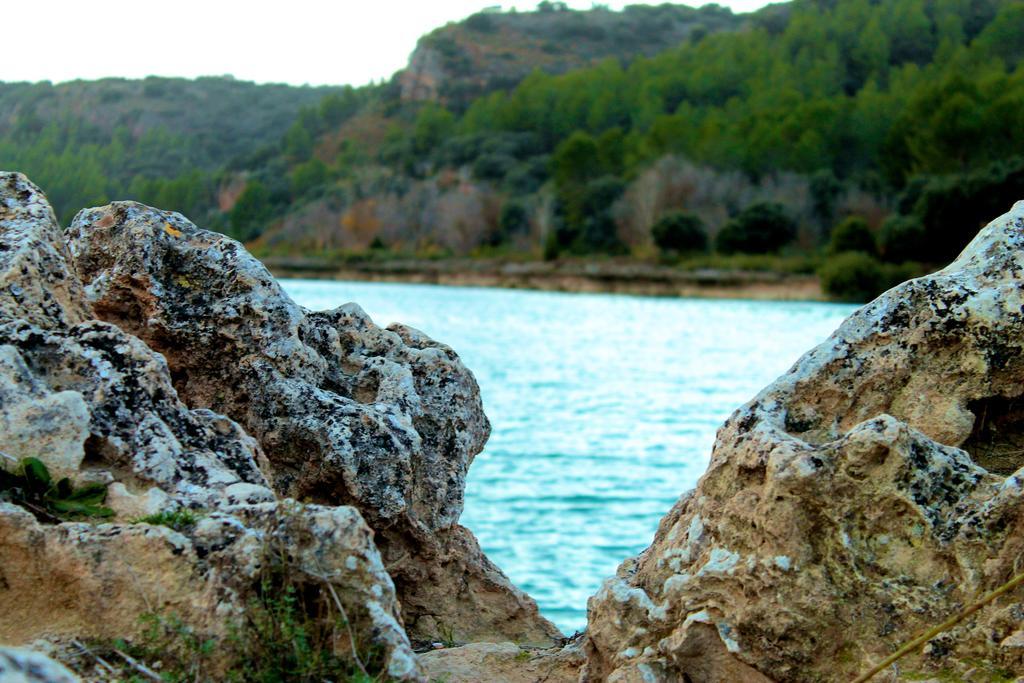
<point x="858" y="499"/>
<point x="96" y="404"/>
<point x="386" y="420"/>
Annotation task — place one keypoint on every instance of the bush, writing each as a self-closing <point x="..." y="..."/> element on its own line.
<point x="599" y="231"/>
<point x="481" y="23"/>
<point x="679" y="231"/>
<point x="858" y="277"/>
<point x="903" y="239"/>
<point x="760" y="228"/>
<point x="853" y="234"/>
<point x="853" y="276"/>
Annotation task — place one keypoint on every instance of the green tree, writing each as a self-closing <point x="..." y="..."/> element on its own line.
<point x="760" y="228"/>
<point x="251" y="212"/>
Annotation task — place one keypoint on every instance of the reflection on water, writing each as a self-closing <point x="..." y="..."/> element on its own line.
<point x="604" y="409"/>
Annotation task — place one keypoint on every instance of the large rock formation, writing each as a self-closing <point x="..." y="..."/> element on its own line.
<point x="348" y="414"/>
<point x="870" y="492"/>
<point x="121" y="359"/>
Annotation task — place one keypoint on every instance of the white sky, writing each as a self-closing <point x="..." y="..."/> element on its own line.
<point x="290" y="41"/>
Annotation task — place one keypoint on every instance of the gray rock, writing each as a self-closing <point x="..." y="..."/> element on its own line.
<point x="26" y="666"/>
<point x="106" y="400"/>
<point x="386" y="420"/>
<point x="36" y="284"/>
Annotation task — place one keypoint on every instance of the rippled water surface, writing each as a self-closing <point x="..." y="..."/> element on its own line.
<point x="603" y="407"/>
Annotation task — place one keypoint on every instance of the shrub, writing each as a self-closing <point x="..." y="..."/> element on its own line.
<point x="760" y="228"/>
<point x="179" y="520"/>
<point x="599" y="231"/>
<point x="853" y="276"/>
<point x="481" y="23"/>
<point x="858" y="277"/>
<point x="903" y="239"/>
<point x="853" y="234"/>
<point x="679" y="231"/>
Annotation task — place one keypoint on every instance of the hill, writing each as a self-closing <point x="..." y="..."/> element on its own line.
<point x="894" y="118"/>
<point x="492" y="50"/>
<point x="88" y="141"/>
<point x="846" y="135"/>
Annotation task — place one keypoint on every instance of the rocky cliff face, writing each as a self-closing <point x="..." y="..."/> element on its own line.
<point x="163" y="361"/>
<point x="868" y="493"/>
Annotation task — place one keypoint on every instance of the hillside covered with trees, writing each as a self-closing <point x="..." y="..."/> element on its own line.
<point x="867" y="138"/>
<point x="88" y="142"/>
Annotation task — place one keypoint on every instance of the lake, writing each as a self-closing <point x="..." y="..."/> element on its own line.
<point x="603" y="410"/>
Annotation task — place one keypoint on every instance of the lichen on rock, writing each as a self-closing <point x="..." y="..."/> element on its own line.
<point x="386" y="420"/>
<point x="163" y="362"/>
<point x="840" y="513"/>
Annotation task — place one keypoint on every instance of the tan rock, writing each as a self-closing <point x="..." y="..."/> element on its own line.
<point x="839" y="516"/>
<point x="96" y="582"/>
<point x="504" y="662"/>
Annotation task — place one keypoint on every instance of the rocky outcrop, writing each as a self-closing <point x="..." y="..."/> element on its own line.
<point x="386" y="420"/>
<point x="121" y="360"/>
<point x="871" y="491"/>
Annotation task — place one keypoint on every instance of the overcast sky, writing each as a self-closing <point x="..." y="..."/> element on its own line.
<point x="290" y="41"/>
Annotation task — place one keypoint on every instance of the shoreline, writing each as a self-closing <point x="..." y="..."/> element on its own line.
<point x="632" y="278"/>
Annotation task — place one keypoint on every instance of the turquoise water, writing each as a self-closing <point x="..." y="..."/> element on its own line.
<point x="604" y="409"/>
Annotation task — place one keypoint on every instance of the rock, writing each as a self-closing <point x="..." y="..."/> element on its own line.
<point x="94" y="396"/>
<point x="505" y="662"/>
<point x="348" y="413"/>
<point x="26" y="666"/>
<point x="870" y="492"/>
<point x="35" y="283"/>
<point x="95" y="403"/>
<point x="36" y="422"/>
<point x="94" y="582"/>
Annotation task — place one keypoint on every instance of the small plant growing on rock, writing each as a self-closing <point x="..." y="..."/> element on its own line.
<point x="30" y="485"/>
<point x="294" y="628"/>
<point x="179" y="520"/>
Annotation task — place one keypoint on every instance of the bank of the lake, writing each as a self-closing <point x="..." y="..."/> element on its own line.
<point x="600" y="276"/>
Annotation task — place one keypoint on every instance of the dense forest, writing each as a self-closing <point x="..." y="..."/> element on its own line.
<point x="868" y="139"/>
<point x="87" y="142"/>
